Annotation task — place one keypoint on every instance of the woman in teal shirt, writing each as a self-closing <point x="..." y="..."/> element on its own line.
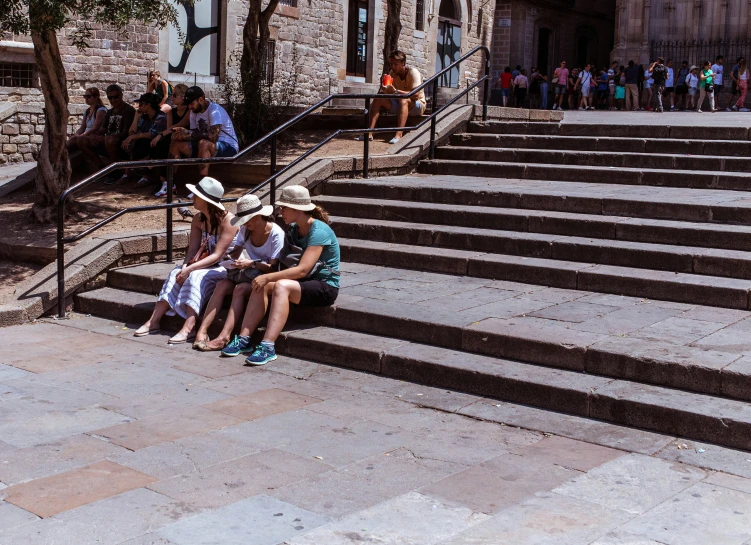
<point x="706" y="86"/>
<point x="313" y="282"/>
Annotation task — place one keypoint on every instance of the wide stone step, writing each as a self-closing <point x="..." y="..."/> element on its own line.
<point x="648" y="130"/>
<point x="612" y="144"/>
<point x="663" y="257"/>
<point x="674" y="390"/>
<point x="571" y="173"/>
<point x="602" y="160"/>
<point x="704" y="235"/>
<point x="662" y="285"/>
<point x="646" y="202"/>
<point x="665" y="410"/>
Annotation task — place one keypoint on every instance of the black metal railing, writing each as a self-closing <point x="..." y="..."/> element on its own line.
<point x="270" y="138"/>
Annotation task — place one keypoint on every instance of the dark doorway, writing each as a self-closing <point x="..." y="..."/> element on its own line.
<point x="357" y="38"/>
<point x="449" y="43"/>
<point x="543" y="50"/>
<point x="582" y="51"/>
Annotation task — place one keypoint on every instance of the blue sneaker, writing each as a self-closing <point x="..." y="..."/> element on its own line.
<point x="238" y="345"/>
<point x="261" y="355"/>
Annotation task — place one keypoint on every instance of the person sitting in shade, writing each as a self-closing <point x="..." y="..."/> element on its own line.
<point x="405" y="80"/>
<point x="311" y="278"/>
<point x="189" y="286"/>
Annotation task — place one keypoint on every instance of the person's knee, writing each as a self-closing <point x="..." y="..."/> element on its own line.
<point x="283" y="288"/>
<point x="242" y="290"/>
<point x="206" y="148"/>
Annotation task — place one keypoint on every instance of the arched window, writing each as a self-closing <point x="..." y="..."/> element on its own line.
<point x="420" y="15"/>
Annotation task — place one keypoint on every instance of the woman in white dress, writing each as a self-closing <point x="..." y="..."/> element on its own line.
<point x="189" y="287"/>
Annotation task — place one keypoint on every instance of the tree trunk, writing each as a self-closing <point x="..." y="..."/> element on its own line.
<point x="392" y="31"/>
<point x="53" y="163"/>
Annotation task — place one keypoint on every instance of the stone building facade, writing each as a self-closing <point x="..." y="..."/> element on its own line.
<point x="335" y="44"/>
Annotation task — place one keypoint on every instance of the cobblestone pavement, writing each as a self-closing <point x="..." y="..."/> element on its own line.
<point x="107" y="439"/>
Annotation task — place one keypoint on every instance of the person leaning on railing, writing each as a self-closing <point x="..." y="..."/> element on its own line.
<point x="189" y="287"/>
<point x="405" y="80"/>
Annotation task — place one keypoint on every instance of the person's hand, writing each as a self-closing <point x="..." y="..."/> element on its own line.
<point x="156" y="140"/>
<point x="126" y="143"/>
<point x="182" y="276"/>
<point x="259" y="282"/>
<point x="389" y="90"/>
<point x="243" y="263"/>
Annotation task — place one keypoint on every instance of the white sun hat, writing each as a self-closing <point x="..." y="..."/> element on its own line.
<point x="297" y="197"/>
<point x="210" y="190"/>
<point x="249" y="206"/>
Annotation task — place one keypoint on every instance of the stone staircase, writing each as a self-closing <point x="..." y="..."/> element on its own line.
<point x="550" y="265"/>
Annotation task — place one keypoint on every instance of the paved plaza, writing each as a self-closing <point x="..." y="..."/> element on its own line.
<point x="111" y="440"/>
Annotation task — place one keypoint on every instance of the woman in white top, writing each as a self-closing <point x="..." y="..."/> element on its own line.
<point x="648" y="83"/>
<point x="189" y="286"/>
<point x="743" y="80"/>
<point x="692" y="81"/>
<point x="93" y="117"/>
<point x="263" y="241"/>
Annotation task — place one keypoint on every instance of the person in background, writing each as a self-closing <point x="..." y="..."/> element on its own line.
<point x="744" y="77"/>
<point x="177" y="113"/>
<point x="620" y="89"/>
<point x="162" y="89"/>
<point x="603" y="81"/>
<point x="507" y="82"/>
<point x="647" y="84"/>
<point x="692" y="84"/>
<point x="659" y="73"/>
<point x="612" y="83"/>
<point x="93" y="117"/>
<point x="534" y="88"/>
<point x="718" y="69"/>
<point x="706" y="87"/>
<point x="584" y="83"/>
<point x="670" y="84"/>
<point x="148" y="122"/>
<point x="681" y="90"/>
<point x="311" y="281"/>
<point x="573" y="91"/>
<point x="544" y="90"/>
<point x="560" y="83"/>
<point x="521" y="85"/>
<point x="632" y="86"/>
<point x="734" y="78"/>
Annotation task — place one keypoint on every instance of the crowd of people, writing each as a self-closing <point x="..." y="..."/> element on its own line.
<point x="658" y="87"/>
<point x="248" y="256"/>
<point x="168" y="122"/>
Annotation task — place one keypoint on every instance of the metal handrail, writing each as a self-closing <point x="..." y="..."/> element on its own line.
<point x="271" y="180"/>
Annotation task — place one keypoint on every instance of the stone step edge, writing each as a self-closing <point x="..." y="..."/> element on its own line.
<point x="659" y="285"/>
<point x="372" y="208"/>
<point x="480" y="135"/>
<point x="662" y="410"/>
<point x="650" y="255"/>
<point x="687" y="369"/>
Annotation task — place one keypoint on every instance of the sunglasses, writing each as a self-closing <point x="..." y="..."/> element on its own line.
<point x="88" y="96"/>
<point x="114" y="97"/>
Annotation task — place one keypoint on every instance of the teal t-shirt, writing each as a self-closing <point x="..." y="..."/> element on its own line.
<point x="321" y="234"/>
<point x="709" y="80"/>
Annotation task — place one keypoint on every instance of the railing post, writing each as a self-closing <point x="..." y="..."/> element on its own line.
<point x="170" y="197"/>
<point x="272" y="190"/>
<point x="60" y="259"/>
<point x="366" y="140"/>
<point x="433" y="121"/>
<point x="486" y="89"/>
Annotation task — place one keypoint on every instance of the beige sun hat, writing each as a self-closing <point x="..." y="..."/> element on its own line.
<point x="693" y="67"/>
<point x="297" y="197"/>
<point x="210" y="190"/>
<point x="249" y="206"/>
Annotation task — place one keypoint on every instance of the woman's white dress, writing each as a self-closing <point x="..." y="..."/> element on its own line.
<point x="196" y="291"/>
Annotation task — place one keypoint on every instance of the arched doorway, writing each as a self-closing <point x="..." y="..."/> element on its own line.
<point x="449" y="42"/>
<point x="545" y="50"/>
<point x="587" y="50"/>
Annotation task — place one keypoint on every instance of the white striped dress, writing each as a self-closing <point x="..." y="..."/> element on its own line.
<point x="196" y="291"/>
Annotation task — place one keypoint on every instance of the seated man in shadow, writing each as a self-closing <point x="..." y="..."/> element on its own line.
<point x="405" y="79"/>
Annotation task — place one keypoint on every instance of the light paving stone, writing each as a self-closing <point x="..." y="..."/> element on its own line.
<point x="545" y="519"/>
<point x="280" y="429"/>
<point x="626" y="320"/>
<point x="51" y="495"/>
<point x="708" y="456"/>
<point x="575" y="312"/>
<point x="8" y="372"/>
<point x="55" y="457"/>
<point x="730" y="481"/>
<point x="699" y="515"/>
<point x="569" y="453"/>
<point x="167" y="460"/>
<point x="499" y="483"/>
<point x="619" y="537"/>
<point x="12" y="516"/>
<point x="316" y="372"/>
<point x="343" y="446"/>
<point x="425" y="396"/>
<point x="632" y="483"/>
<point x="148" y="539"/>
<point x="9" y="393"/>
<point x="410" y="519"/>
<point x="260" y="520"/>
<point x="262" y="403"/>
<point x="678" y="330"/>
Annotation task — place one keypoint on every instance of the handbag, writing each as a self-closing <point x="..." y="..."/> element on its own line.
<point x="204" y="250"/>
<point x="710" y="88"/>
<point x="292" y="253"/>
<point x="238" y="276"/>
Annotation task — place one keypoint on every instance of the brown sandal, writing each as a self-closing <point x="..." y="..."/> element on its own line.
<point x="203" y="346"/>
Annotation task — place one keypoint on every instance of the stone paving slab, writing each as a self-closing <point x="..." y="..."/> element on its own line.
<point x="456" y="469"/>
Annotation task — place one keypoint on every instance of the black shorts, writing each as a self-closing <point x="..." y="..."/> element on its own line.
<point x="669" y="90"/>
<point x="317" y="293"/>
<point x="681" y="90"/>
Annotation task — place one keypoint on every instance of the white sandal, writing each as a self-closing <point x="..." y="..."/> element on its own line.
<point x="143" y="331"/>
<point x="181" y="338"/>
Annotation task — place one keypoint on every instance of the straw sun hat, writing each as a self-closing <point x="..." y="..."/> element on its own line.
<point x="210" y="190"/>
<point x="249" y="206"/>
<point x="297" y="197"/>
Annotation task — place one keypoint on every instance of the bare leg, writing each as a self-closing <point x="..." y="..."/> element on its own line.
<point x="206" y="149"/>
<point x="375" y="111"/>
<point x="239" y="294"/>
<point x="285" y="292"/>
<point x="190" y="323"/>
<point x="159" y="311"/>
<point x="402" y="115"/>
<point x="215" y="303"/>
<point x="256" y="309"/>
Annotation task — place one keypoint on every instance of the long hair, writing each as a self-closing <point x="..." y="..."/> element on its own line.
<point x="95" y="93"/>
<point x="320" y="214"/>
<point x="215" y="217"/>
<point x="149" y="84"/>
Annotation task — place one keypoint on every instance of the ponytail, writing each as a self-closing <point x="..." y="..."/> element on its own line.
<point x="320" y="214"/>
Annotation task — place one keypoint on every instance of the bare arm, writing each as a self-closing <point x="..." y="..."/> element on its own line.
<point x="98" y="122"/>
<point x="308" y="260"/>
<point x="165" y="89"/>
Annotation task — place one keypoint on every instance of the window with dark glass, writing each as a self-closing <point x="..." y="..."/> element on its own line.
<point x="420" y="15"/>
